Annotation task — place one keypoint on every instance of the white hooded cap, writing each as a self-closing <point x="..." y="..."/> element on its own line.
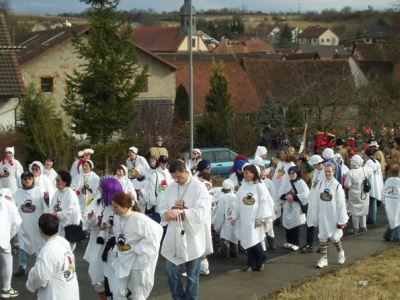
<point x="357" y="161"/>
<point x="10" y="149"/>
<point x="328" y="153"/>
<point x="36" y="163"/>
<point x="133" y="149"/>
<point x="315" y="159"/>
<point x="261" y="150"/>
<point x="227" y="184"/>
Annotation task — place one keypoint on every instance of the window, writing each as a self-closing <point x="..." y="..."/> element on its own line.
<point x="193" y="43"/>
<point x="222" y="155"/>
<point x="322" y="40"/>
<point x="46" y="84"/>
<point x="327" y="40"/>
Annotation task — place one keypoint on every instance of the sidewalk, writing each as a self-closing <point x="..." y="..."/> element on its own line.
<point x="289" y="269"/>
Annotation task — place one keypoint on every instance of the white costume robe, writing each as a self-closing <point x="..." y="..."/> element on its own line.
<point x="292" y="215"/>
<point x="91" y="181"/>
<point x="66" y="204"/>
<point x="197" y="221"/>
<point x="31" y="206"/>
<point x="54" y="274"/>
<point x="134" y="268"/>
<point x="391" y="199"/>
<point x="13" y="180"/>
<point x="51" y="175"/>
<point x="158" y="182"/>
<point x="281" y="175"/>
<point x="143" y="196"/>
<point x="329" y="213"/>
<point x="251" y="205"/>
<point x="93" y="250"/>
<point x="223" y="217"/>
<point x="318" y="177"/>
<point x="274" y="197"/>
<point x="127" y="186"/>
<point x="10" y="221"/>
<point x="375" y="179"/>
<point x="358" y="200"/>
<point x="132" y="164"/>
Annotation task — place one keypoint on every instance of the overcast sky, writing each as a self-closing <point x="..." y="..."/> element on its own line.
<point x="59" y="6"/>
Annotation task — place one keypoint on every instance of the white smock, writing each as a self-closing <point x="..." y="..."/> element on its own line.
<point x="223" y="216"/>
<point x="251" y="205"/>
<point x="134" y="268"/>
<point x="158" y="182"/>
<point x="197" y="222"/>
<point x="358" y="200"/>
<point x="31" y="206"/>
<point x="318" y="177"/>
<point x="10" y="221"/>
<point x="375" y="179"/>
<point x="391" y="199"/>
<point x="330" y="213"/>
<point x="281" y="175"/>
<point x="14" y="170"/>
<point x="54" y="273"/>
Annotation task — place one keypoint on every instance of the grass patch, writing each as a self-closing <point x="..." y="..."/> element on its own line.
<point x="382" y="273"/>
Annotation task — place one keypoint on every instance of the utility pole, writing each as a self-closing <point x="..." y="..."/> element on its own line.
<point x="299" y="8"/>
<point x="191" y="80"/>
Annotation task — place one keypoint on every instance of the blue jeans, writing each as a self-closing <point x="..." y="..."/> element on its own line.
<point x="22" y="259"/>
<point x="371" y="219"/>
<point x="175" y="281"/>
<point x="256" y="256"/>
<point x="392" y="235"/>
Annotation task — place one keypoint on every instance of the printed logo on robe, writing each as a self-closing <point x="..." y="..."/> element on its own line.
<point x="315" y="183"/>
<point x="376" y="170"/>
<point x="162" y="186"/>
<point x="86" y="188"/>
<point x="5" y="172"/>
<point x="325" y="197"/>
<point x="28" y="207"/>
<point x="391" y="192"/>
<point x="68" y="267"/>
<point x="281" y="172"/>
<point x="133" y="172"/>
<point x="249" y="199"/>
<point x="121" y="243"/>
<point x="57" y="207"/>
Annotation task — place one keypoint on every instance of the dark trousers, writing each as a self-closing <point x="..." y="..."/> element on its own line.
<point x="256" y="256"/>
<point x="310" y="235"/>
<point x="293" y="236"/>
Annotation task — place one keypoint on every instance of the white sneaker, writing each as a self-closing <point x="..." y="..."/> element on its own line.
<point x="341" y="258"/>
<point x="205" y="272"/>
<point x="294" y="247"/>
<point x="287" y="245"/>
<point x="323" y="262"/>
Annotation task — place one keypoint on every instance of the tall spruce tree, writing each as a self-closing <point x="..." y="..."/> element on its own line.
<point x="100" y="95"/>
<point x="181" y="110"/>
<point x="271" y="114"/>
<point x="213" y="129"/>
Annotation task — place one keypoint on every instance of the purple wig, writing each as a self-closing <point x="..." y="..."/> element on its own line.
<point x="110" y="187"/>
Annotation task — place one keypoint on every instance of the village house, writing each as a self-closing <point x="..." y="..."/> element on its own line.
<point x="315" y="35"/>
<point x="11" y="84"/>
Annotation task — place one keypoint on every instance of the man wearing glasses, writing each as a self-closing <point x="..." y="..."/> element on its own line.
<point x="186" y="208"/>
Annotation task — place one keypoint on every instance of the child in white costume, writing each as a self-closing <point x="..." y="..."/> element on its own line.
<point x="223" y="219"/>
<point x="10" y="171"/>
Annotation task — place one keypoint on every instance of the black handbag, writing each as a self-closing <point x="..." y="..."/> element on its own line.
<point x="304" y="208"/>
<point x="74" y="233"/>
<point x="366" y="184"/>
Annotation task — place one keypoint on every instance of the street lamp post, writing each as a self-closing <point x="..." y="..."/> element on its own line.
<point x="191" y="79"/>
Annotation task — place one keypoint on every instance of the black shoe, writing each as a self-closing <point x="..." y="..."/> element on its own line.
<point x="306" y="249"/>
<point x="272" y="247"/>
<point x="20" y="272"/>
<point x="260" y="269"/>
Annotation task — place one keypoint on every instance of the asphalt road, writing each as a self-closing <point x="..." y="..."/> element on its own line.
<point x="218" y="265"/>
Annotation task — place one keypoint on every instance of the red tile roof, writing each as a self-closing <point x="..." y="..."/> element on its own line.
<point x="244" y="46"/>
<point x="284" y="79"/>
<point x="244" y="98"/>
<point x="388" y="51"/>
<point x="11" y="84"/>
<point x="312" y="32"/>
<point x="158" y="39"/>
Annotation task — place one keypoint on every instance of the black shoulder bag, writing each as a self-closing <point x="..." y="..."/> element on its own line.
<point x="304" y="208"/>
